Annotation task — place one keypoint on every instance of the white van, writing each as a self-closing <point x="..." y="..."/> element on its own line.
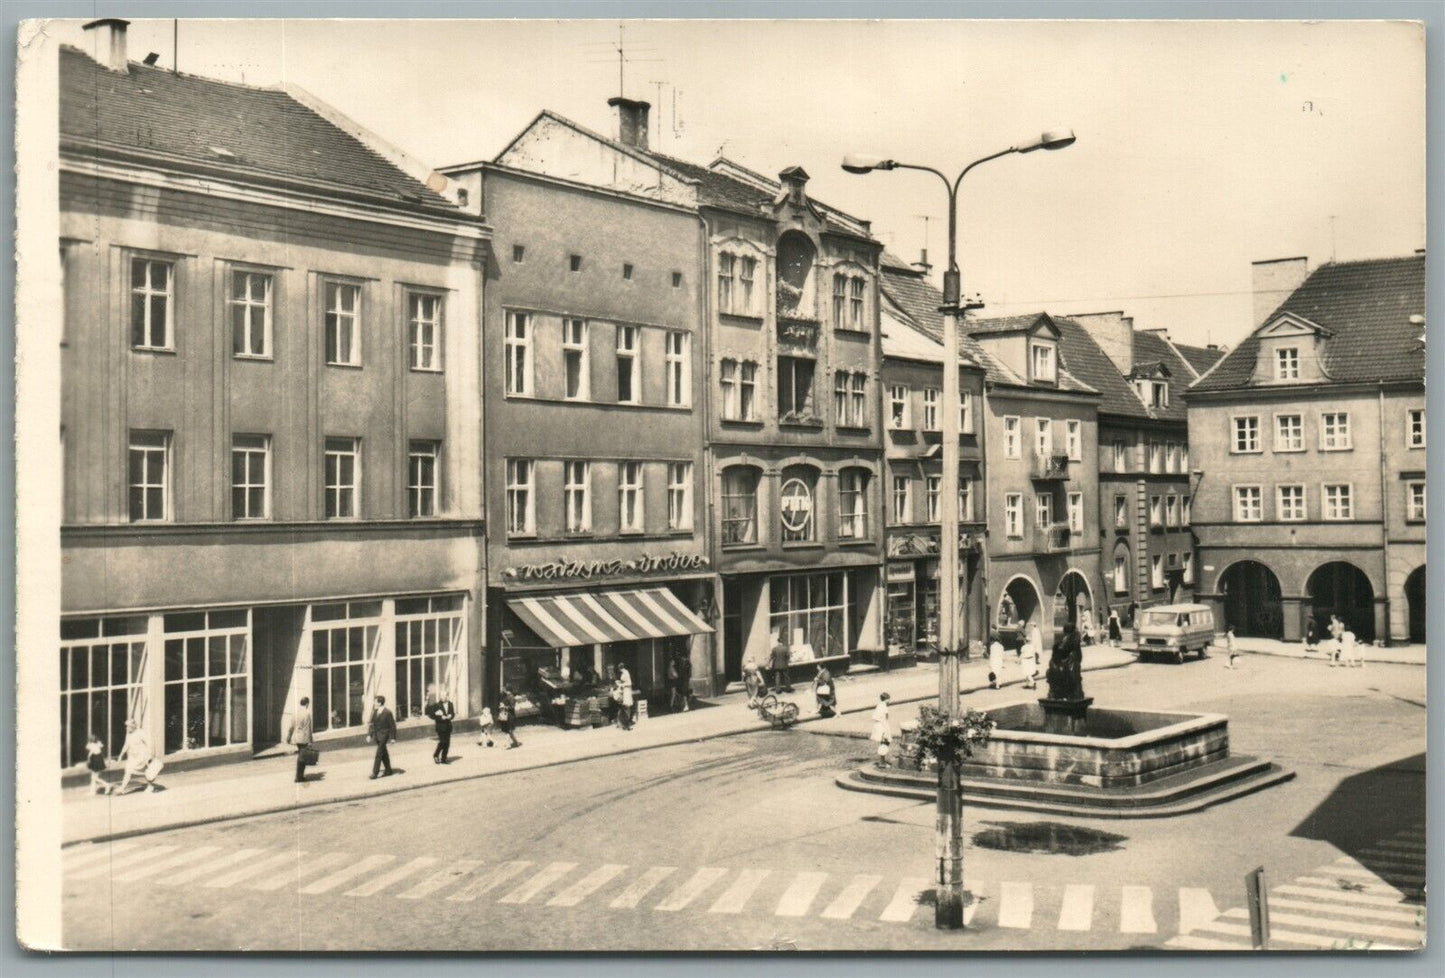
<point x="1174" y="629"/>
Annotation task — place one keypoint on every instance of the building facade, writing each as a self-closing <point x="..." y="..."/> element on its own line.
<point x="271" y="478"/>
<point x="1042" y="436"/>
<point x="787" y="385"/>
<point x="1145" y="504"/>
<point x="1310" y="436"/>
<point x="597" y="556"/>
<point x="911" y="390"/>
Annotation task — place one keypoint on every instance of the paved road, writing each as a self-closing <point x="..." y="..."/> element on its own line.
<point x="745" y="842"/>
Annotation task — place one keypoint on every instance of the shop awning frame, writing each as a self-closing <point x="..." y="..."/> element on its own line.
<point x="598" y="617"/>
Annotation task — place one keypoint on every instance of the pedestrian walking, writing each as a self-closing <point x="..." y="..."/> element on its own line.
<point x="507" y="716"/>
<point x="299" y="734"/>
<point x="1116" y="634"/>
<point x="1132" y="619"/>
<point x="684" y="679"/>
<point x="139" y="758"/>
<point x="1312" y="635"/>
<point x="673" y="693"/>
<point x="1086" y="626"/>
<point x="95" y="764"/>
<point x="442" y="713"/>
<point x="1030" y="666"/>
<point x="629" y="701"/>
<point x="825" y="692"/>
<point x="1229" y="646"/>
<point x="484" y="727"/>
<point x="622" y="696"/>
<point x="780" y="667"/>
<point x="1337" y="631"/>
<point x="882" y="734"/>
<point x="995" y="660"/>
<point x="753" y="680"/>
<point x="381" y="732"/>
<point x="1350" y="653"/>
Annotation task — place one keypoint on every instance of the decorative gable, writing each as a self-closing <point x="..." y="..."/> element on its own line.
<point x="1291" y="351"/>
<point x="558" y="147"/>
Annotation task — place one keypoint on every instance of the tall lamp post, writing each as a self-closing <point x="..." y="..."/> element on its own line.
<point x="948" y="908"/>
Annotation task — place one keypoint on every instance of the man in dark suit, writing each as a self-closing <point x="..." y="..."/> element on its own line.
<point x="442" y="713"/>
<point x="383" y="732"/>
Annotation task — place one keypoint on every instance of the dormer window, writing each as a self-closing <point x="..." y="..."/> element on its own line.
<point x="1154" y="393"/>
<point x="1286" y="363"/>
<point x="1043" y="363"/>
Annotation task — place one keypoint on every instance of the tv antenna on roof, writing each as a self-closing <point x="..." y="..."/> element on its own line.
<point x="620" y="47"/>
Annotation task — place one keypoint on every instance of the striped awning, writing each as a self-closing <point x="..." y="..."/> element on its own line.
<point x="592" y="617"/>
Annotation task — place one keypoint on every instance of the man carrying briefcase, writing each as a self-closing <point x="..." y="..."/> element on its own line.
<point x="299" y="735"/>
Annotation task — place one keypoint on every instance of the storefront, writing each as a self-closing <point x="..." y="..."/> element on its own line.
<point x="821" y="618"/>
<point x="211" y="682"/>
<point x="911" y="620"/>
<point x="560" y="649"/>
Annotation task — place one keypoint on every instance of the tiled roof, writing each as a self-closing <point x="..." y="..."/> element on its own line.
<point x="262" y="135"/>
<point x="1150" y="347"/>
<point x="912" y="293"/>
<point x="1087" y="361"/>
<point x="1201" y="358"/>
<point x="1002" y="324"/>
<point x="1366" y="306"/>
<point x="732" y="193"/>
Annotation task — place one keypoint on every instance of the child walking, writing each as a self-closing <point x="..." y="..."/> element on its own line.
<point x="1229" y="646"/>
<point x="484" y="729"/>
<point x="882" y="734"/>
<point x="95" y="763"/>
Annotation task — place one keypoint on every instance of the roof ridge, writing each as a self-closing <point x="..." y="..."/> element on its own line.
<point x="279" y="87"/>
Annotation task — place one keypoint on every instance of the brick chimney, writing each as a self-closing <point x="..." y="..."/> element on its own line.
<point x="1274" y="281"/>
<point x="923" y="265"/>
<point x="631" y="121"/>
<point x="1114" y="332"/>
<point x="110" y="42"/>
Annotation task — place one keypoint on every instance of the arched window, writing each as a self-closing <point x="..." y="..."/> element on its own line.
<point x="798" y="503"/>
<point x="853" y="504"/>
<point x="740" y="505"/>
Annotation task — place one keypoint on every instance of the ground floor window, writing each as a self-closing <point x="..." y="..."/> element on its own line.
<point x="207" y="679"/>
<point x="429" y="640"/>
<point x="102" y="665"/>
<point x="809" y="614"/>
<point x="344" y="640"/>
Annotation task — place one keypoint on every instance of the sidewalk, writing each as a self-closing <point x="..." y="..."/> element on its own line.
<point x="1405" y="655"/>
<point x="265" y="785"/>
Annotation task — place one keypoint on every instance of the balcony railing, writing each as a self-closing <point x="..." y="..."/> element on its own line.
<point x="1058" y="538"/>
<point x="1051" y="467"/>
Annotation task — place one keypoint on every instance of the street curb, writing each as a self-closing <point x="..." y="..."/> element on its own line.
<point x="1312" y="658"/>
<point x="359" y="795"/>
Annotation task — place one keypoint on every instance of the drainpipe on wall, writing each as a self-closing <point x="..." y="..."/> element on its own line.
<point x="1385" y="490"/>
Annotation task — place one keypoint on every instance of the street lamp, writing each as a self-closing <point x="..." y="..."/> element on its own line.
<point x="948" y="908"/>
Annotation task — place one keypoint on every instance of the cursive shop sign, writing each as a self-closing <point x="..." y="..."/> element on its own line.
<point x="564" y="569"/>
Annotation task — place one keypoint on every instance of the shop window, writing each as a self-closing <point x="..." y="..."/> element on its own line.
<point x="102" y="683"/>
<point x="344" y="641"/>
<point x="809" y="614"/>
<point x="429" y="643"/>
<point x="207" y="679"/>
<point x="740" y="505"/>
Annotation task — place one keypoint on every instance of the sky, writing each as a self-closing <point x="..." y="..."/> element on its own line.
<point x="1202" y="146"/>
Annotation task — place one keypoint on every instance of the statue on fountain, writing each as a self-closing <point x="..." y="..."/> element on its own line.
<point x="1065" y="677"/>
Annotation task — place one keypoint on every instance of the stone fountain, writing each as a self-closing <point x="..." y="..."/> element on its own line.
<point x="1060" y="755"/>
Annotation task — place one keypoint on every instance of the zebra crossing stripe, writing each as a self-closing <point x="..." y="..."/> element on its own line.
<point x="1193" y="942"/>
<point x="446" y="877"/>
<point x="303" y="869"/>
<point x="1339" y="884"/>
<point x="1377" y="860"/>
<point x="161" y="865"/>
<point x="640" y="887"/>
<point x="1344" y="896"/>
<point x="538" y="883"/>
<point x="276" y="862"/>
<point x="1136" y="915"/>
<point x="1077" y="911"/>
<point x="1367" y="913"/>
<point x="1275" y="934"/>
<point x="107" y="867"/>
<point x="482" y="883"/>
<point x="905" y="901"/>
<point x="846" y="903"/>
<point x="1356" y="870"/>
<point x="99" y="852"/>
<point x="799" y="895"/>
<point x="1016" y="905"/>
<point x="205" y="869"/>
<point x="379" y="883"/>
<point x="692" y="888"/>
<point x="1404" y="845"/>
<point x="1345" y="928"/>
<point x="735" y="897"/>
<point x="1196" y="907"/>
<point x="347" y="874"/>
<point x="587" y="885"/>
